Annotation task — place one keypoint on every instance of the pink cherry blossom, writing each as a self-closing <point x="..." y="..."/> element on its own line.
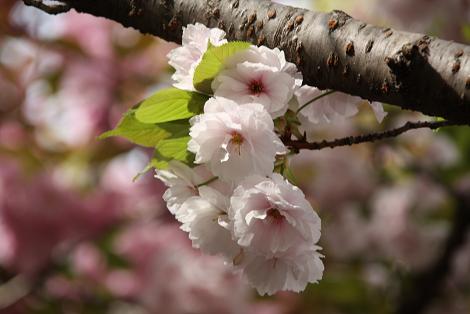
<point x="168" y="276"/>
<point x="233" y="140"/>
<point x="331" y="108"/>
<point x="270" y="215"/>
<point x="182" y="182"/>
<point x="259" y="75"/>
<point x="39" y="218"/>
<point x="205" y="217"/>
<point x="290" y="270"/>
<point x="185" y="59"/>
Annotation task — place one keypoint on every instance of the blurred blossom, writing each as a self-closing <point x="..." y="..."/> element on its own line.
<point x="140" y="196"/>
<point x="12" y="135"/>
<point x="444" y="17"/>
<point x="69" y="205"/>
<point x="328" y="109"/>
<point x="267" y="308"/>
<point x="461" y="265"/>
<point x="142" y="65"/>
<point x="36" y="22"/>
<point x="11" y="94"/>
<point x="175" y="278"/>
<point x="61" y="287"/>
<point x="74" y="115"/>
<point x="88" y="261"/>
<point x="326" y="167"/>
<point x="394" y="227"/>
<point x="431" y="148"/>
<point x="435" y="17"/>
<point x="16" y="53"/>
<point x="306" y="4"/>
<point x="346" y="236"/>
<point x="123" y="283"/>
<point x="205" y="285"/>
<point x="39" y="217"/>
<point x="90" y="33"/>
<point x="30" y="58"/>
<point x="376" y="275"/>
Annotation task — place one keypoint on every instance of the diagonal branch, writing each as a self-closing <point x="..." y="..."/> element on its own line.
<point x="333" y="50"/>
<point x="48" y="8"/>
<point x="351" y="140"/>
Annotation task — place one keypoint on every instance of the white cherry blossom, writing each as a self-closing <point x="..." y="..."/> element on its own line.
<point x="232" y="204"/>
<point x="182" y="182"/>
<point x="184" y="59"/>
<point x="259" y="75"/>
<point x="270" y="215"/>
<point x="205" y="218"/>
<point x="331" y="108"/>
<point x="291" y="270"/>
<point x="379" y="111"/>
<point x="235" y="141"/>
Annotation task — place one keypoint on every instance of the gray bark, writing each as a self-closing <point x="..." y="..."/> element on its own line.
<point x="332" y="50"/>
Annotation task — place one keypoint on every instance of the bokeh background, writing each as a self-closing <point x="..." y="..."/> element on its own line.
<point x="77" y="235"/>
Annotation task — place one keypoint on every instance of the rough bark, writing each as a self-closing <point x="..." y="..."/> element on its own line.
<point x="333" y="50"/>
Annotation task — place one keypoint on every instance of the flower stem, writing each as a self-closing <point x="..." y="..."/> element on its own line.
<point x="207" y="182"/>
<point x="315" y="99"/>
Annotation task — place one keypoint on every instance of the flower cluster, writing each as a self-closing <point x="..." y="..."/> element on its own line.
<point x="235" y="201"/>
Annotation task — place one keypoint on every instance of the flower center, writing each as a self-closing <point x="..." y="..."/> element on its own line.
<point x="275" y="214"/>
<point x="256" y="87"/>
<point x="237" y="140"/>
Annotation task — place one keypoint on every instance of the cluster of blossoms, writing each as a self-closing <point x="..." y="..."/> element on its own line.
<point x="235" y="202"/>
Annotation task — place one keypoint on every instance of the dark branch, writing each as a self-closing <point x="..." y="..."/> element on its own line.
<point x="48" y="8"/>
<point x="333" y="50"/>
<point x="351" y="140"/>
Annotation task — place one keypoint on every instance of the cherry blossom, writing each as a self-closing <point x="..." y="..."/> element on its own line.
<point x="330" y="108"/>
<point x="234" y="140"/>
<point x="270" y="215"/>
<point x="167" y="275"/>
<point x="259" y="75"/>
<point x="327" y="109"/>
<point x="35" y="224"/>
<point x="205" y="218"/>
<point x="196" y="38"/>
<point x="291" y="270"/>
<point x="182" y="182"/>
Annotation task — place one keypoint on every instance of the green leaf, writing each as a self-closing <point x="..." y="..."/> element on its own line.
<point x="289" y="175"/>
<point x="213" y="62"/>
<point x="169" y="105"/>
<point x="466" y="31"/>
<point x="144" y="134"/>
<point x="172" y="149"/>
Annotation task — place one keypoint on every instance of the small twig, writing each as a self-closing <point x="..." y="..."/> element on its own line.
<point x="21" y="286"/>
<point x="48" y="8"/>
<point x="350" y="140"/>
<point x="315" y="99"/>
<point x="207" y="182"/>
<point x="13" y="290"/>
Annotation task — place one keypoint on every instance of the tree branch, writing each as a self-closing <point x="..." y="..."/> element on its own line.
<point x="351" y="140"/>
<point x="48" y="8"/>
<point x="333" y="50"/>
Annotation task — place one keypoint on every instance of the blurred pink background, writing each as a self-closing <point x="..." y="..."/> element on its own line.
<point x="77" y="235"/>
